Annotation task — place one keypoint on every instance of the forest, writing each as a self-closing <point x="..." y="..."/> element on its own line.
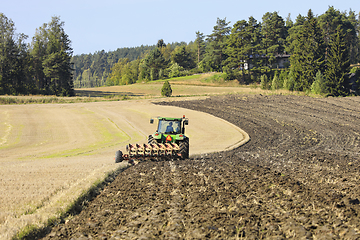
<point x="42" y="67"/>
<point x="310" y="53"/>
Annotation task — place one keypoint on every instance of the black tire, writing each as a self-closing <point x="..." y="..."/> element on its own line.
<point x="187" y="142"/>
<point x="151" y="140"/>
<point x="118" y="156"/>
<point x="184" y="149"/>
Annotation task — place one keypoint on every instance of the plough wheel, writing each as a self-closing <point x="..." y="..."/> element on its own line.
<point x="118" y="156"/>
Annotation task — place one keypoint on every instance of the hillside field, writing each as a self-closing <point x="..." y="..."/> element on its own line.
<point x="195" y="85"/>
<point x="297" y="178"/>
<point x="50" y="154"/>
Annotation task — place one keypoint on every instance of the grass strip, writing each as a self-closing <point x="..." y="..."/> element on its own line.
<point x="9" y="100"/>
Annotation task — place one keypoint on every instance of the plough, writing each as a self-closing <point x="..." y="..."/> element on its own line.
<point x="168" y="142"/>
<point x="152" y="151"/>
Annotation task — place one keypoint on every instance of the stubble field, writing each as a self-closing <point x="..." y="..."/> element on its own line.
<point x="51" y="153"/>
<point x="298" y="177"/>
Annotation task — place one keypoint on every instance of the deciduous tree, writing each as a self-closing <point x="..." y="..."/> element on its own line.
<point x="182" y="57"/>
<point x="117" y="71"/>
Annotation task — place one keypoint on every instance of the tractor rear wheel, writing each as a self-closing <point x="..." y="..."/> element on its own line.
<point x="184" y="149"/>
<point x="118" y="156"/>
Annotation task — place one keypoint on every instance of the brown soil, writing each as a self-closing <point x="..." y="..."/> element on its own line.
<point x="51" y="153"/>
<point x="298" y="177"/>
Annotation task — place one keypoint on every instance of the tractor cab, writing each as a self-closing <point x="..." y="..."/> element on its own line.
<point x="168" y="142"/>
<point x="169" y="126"/>
<point x="175" y="127"/>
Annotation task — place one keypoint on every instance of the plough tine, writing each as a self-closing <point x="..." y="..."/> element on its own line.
<point x="151" y="151"/>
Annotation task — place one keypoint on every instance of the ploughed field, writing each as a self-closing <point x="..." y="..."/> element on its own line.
<point x="298" y="177"/>
<point x="51" y="154"/>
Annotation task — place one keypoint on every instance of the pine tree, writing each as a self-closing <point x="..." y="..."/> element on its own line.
<point x="293" y="32"/>
<point x="215" y="52"/>
<point x="200" y="46"/>
<point x="153" y="62"/>
<point x="276" y="82"/>
<point x="52" y="54"/>
<point x="253" y="29"/>
<point x="309" y="54"/>
<point x="274" y="35"/>
<point x="238" y="48"/>
<point x="329" y="22"/>
<point x="264" y="82"/>
<point x="356" y="83"/>
<point x="161" y="43"/>
<point x="319" y="84"/>
<point x="337" y="65"/>
<point x="289" y="82"/>
<point x="166" y="89"/>
<point x="15" y="61"/>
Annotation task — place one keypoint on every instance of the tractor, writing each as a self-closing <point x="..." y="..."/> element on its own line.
<point x="168" y="142"/>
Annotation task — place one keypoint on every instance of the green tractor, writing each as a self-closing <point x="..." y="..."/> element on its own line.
<point x="171" y="130"/>
<point x="168" y="142"/>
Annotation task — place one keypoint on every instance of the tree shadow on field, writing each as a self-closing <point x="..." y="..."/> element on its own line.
<point x="88" y="93"/>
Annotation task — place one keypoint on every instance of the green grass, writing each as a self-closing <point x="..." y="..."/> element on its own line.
<point x="13" y="100"/>
<point x="26" y="233"/>
<point x="28" y="100"/>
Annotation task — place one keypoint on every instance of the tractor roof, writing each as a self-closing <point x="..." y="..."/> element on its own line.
<point x="170" y="119"/>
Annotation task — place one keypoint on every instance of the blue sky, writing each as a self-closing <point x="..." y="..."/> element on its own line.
<point x="110" y="24"/>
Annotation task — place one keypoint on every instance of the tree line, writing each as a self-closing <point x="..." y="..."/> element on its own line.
<point x="312" y="53"/>
<point x="42" y="67"/>
<point x="92" y="70"/>
<point x="319" y="49"/>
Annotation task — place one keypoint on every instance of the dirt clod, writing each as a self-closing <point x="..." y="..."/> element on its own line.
<point x="298" y="177"/>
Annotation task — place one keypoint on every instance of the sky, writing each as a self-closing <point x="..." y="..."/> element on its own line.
<point x="95" y="25"/>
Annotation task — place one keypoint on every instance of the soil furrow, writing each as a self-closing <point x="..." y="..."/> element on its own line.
<point x="296" y="178"/>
